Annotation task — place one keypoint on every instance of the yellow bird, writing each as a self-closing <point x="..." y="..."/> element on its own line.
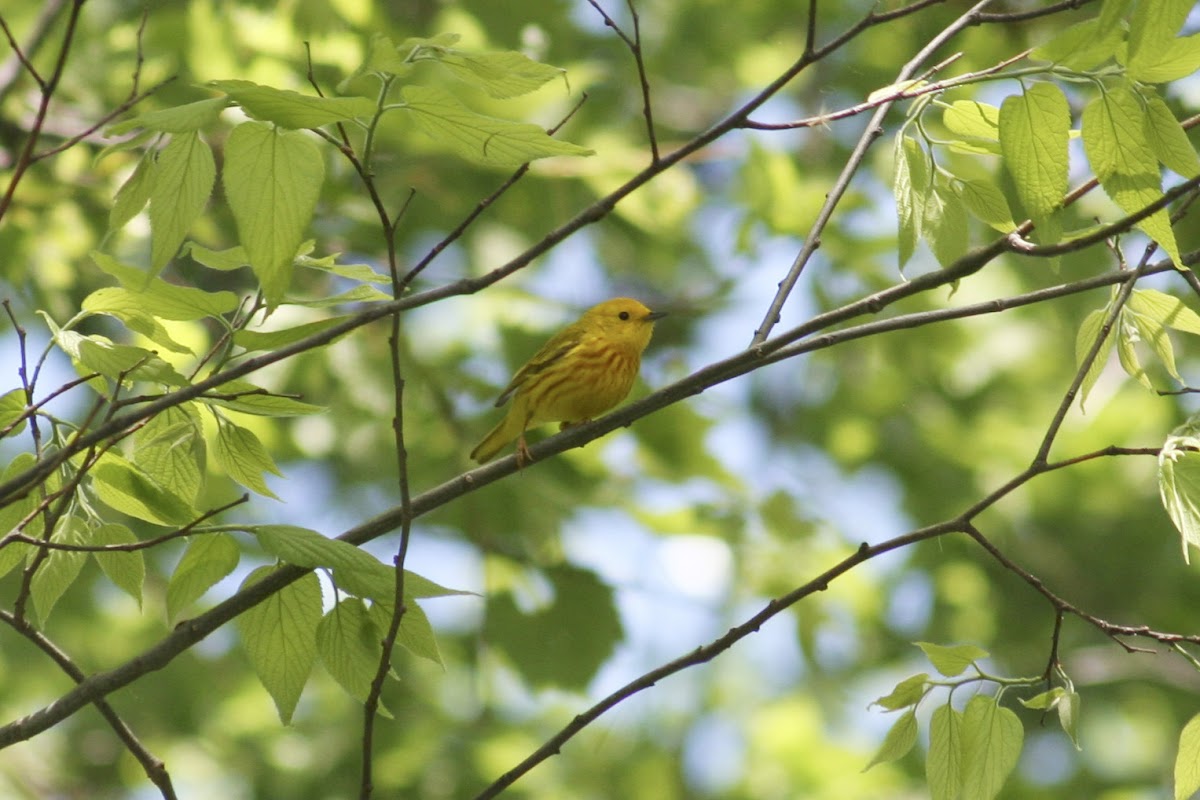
<point x="584" y="370"/>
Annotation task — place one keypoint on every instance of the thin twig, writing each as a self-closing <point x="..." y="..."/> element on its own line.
<point x="383" y="668"/>
<point x="48" y="87"/>
<point x="131" y="547"/>
<point x="21" y="56"/>
<point x="1118" y="633"/>
<point x="908" y="93"/>
<point x="810" y="28"/>
<point x="153" y="766"/>
<point x="634" y="43"/>
<point x="479" y="208"/>
<point x="871" y="132"/>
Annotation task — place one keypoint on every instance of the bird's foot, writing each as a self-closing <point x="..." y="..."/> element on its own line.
<point x="524" y="457"/>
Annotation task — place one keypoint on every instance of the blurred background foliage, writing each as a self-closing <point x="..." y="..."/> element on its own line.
<point x="595" y="566"/>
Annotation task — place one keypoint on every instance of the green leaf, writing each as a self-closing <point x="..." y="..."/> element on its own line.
<point x="348" y="643"/>
<point x="1179" y="481"/>
<point x="158" y="298"/>
<point x="171" y="450"/>
<point x="486" y="140"/>
<point x="419" y="586"/>
<point x="183" y="179"/>
<point x="1082" y="46"/>
<point x="177" y="119"/>
<point x="270" y="340"/>
<point x="133" y="318"/>
<point x="61" y="567"/>
<point x="280" y="638"/>
<point x="133" y="195"/>
<point x="1152" y="31"/>
<point x="125" y="569"/>
<point x="1168" y="140"/>
<point x="355" y="272"/>
<point x="1187" y="761"/>
<point x="137" y="142"/>
<point x="1046" y="700"/>
<point x="899" y="740"/>
<point x="12" y="408"/>
<point x="250" y="399"/>
<point x="224" y="260"/>
<point x="124" y="487"/>
<point x="977" y="123"/>
<point x="1178" y="59"/>
<point x="359" y="294"/>
<point x="155" y="296"/>
<point x="1127" y="354"/>
<point x="907" y="692"/>
<point x="12" y="512"/>
<point x="387" y="57"/>
<point x="1034" y="131"/>
<point x="272" y="179"/>
<point x="911" y="187"/>
<point x="1112" y="12"/>
<point x="500" y="75"/>
<point x="1068" y="717"/>
<point x="945" y="224"/>
<point x="354" y="570"/>
<point x="992" y="739"/>
<point x="415" y="634"/>
<point x="290" y="109"/>
<point x="951" y="660"/>
<point x="208" y="559"/>
<point x="944" y="764"/>
<point x="987" y="203"/>
<point x="243" y="458"/>
<point x="565" y="642"/>
<point x="1154" y="333"/>
<point x="413" y="45"/>
<point x="1088" y="331"/>
<point x="1164" y="308"/>
<point x="1114" y="138"/>
<point x="118" y="361"/>
<point x="123" y="303"/>
<point x="1154" y="24"/>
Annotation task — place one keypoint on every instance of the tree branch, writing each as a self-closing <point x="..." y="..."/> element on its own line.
<point x="154" y="767"/>
<point x="872" y="132"/>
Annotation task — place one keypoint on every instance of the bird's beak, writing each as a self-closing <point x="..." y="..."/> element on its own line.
<point x="653" y="315"/>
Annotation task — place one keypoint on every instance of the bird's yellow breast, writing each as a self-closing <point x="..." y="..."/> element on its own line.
<point x="589" y="381"/>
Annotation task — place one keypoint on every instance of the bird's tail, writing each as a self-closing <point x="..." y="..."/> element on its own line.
<point x="509" y="429"/>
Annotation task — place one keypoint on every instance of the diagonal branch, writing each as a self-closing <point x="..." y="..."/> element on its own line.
<point x="634" y="43"/>
<point x="865" y="552"/>
<point x="153" y="766"/>
<point x="48" y="87"/>
<point x="871" y="132"/>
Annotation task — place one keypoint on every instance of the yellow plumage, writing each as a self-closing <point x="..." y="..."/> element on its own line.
<point x="583" y="371"/>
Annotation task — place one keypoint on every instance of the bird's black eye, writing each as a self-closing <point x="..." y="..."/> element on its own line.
<point x="624" y="315"/>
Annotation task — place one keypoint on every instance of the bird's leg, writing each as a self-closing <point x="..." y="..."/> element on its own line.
<point x="524" y="457"/>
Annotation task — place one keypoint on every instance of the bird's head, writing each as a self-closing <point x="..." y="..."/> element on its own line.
<point x="623" y="320"/>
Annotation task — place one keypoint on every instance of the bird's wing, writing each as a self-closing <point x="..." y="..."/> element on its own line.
<point x="551" y="353"/>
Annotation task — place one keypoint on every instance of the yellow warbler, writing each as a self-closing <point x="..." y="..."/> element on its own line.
<point x="584" y="370"/>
